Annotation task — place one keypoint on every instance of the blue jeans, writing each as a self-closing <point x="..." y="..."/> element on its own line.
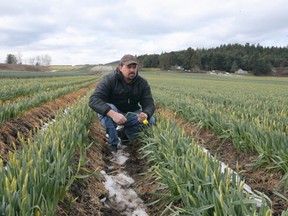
<point x="131" y="126"/>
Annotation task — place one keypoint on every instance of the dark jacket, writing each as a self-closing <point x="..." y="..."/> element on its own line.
<point x="125" y="96"/>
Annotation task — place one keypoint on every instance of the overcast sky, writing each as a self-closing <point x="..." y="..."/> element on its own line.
<point x="101" y="31"/>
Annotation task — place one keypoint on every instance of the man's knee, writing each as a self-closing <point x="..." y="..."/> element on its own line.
<point x="152" y="121"/>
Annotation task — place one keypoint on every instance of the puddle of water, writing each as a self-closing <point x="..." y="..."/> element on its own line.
<point x="121" y="195"/>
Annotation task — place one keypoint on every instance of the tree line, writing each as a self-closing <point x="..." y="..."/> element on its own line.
<point x="43" y="60"/>
<point x="253" y="58"/>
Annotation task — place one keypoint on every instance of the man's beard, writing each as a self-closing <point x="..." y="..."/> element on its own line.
<point x="131" y="76"/>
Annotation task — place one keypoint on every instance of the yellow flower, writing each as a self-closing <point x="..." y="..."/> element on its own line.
<point x="145" y="122"/>
<point x="37" y="213"/>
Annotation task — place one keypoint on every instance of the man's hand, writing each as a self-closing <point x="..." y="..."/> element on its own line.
<point x="142" y="116"/>
<point x="118" y="118"/>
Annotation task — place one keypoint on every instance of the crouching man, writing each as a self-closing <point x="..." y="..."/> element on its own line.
<point x="124" y="98"/>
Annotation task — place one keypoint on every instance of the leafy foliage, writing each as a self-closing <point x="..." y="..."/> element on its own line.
<point x="11" y="59"/>
<point x="257" y="59"/>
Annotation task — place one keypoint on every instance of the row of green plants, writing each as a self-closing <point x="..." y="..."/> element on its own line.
<point x="38" y="176"/>
<point x="13" y="88"/>
<point x="13" y="109"/>
<point x="86" y="71"/>
<point x="254" y="115"/>
<point x="192" y="182"/>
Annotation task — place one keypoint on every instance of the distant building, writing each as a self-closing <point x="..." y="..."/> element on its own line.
<point x="177" y="67"/>
<point x="240" y="71"/>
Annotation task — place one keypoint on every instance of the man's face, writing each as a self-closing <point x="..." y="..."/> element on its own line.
<point x="129" y="71"/>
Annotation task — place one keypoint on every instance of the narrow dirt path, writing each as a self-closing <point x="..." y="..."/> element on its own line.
<point x="116" y="169"/>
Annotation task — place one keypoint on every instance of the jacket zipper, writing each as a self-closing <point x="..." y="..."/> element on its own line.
<point x="129" y="93"/>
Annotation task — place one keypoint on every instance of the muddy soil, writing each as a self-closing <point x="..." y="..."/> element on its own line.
<point x="90" y="191"/>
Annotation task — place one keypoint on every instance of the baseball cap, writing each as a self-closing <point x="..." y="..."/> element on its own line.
<point x="128" y="59"/>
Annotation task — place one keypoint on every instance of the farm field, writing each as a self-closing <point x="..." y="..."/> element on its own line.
<point x="241" y="121"/>
<point x="249" y="115"/>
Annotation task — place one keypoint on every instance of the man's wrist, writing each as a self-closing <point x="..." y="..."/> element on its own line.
<point x="111" y="113"/>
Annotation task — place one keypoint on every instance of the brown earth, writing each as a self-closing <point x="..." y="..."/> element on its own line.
<point x="33" y="119"/>
<point x="23" y="67"/>
<point x="89" y="191"/>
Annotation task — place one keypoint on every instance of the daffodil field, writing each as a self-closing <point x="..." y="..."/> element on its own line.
<point x="39" y="175"/>
<point x="194" y="178"/>
<point x="252" y="112"/>
<point x="19" y="95"/>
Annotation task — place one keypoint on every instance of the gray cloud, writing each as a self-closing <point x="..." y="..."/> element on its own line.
<point x="74" y="32"/>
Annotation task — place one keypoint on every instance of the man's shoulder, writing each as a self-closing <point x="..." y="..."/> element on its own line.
<point x="110" y="76"/>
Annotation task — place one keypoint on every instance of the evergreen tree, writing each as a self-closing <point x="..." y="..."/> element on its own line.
<point x="11" y="59"/>
<point x="234" y="66"/>
<point x="231" y="57"/>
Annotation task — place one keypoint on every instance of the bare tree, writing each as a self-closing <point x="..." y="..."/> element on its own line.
<point x="46" y="60"/>
<point x="38" y="60"/>
<point x="32" y="61"/>
<point x="19" y="58"/>
<point x="43" y="60"/>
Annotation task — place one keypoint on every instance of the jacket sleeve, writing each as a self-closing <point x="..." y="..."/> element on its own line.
<point x="147" y="101"/>
<point x="98" y="99"/>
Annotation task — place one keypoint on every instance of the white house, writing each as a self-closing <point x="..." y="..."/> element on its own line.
<point x="240" y="71"/>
